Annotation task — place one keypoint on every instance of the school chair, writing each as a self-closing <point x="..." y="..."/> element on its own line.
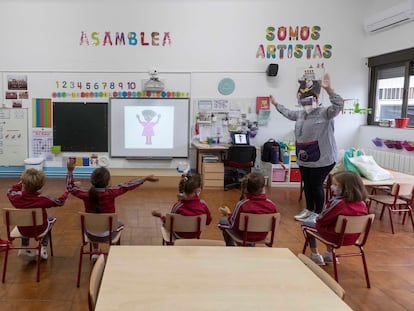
<point x="250" y="223"/>
<point x="199" y="242"/>
<point x="95" y="281"/>
<point x="398" y="200"/>
<point x="182" y="224"/>
<point x="323" y="275"/>
<point x="30" y="217"/>
<point x="346" y="225"/>
<point x="97" y="223"/>
<point x="239" y="162"/>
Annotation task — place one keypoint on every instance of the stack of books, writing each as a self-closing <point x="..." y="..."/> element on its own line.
<point x="210" y="158"/>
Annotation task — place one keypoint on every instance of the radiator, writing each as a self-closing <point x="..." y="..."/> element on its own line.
<point x="396" y="161"/>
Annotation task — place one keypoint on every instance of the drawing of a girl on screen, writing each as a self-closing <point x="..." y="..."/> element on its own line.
<point x="148" y="124"/>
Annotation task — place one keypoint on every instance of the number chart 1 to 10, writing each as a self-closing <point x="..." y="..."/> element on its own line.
<point x="82" y="89"/>
<point x="97" y="86"/>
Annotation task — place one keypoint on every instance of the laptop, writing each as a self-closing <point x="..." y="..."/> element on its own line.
<point x="240" y="139"/>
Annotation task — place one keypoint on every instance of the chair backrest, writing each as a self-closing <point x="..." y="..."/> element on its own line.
<point x="241" y="156"/>
<point x="250" y="222"/>
<point x="354" y="224"/>
<point x="95" y="280"/>
<point x="199" y="242"/>
<point x="258" y="222"/>
<point x="23" y="217"/>
<point x="323" y="275"/>
<point x="409" y="198"/>
<point x="406" y="190"/>
<point x="94" y="222"/>
<point x="395" y="189"/>
<point x="181" y="223"/>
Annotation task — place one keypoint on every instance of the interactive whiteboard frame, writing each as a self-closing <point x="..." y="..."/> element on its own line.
<point x="164" y="134"/>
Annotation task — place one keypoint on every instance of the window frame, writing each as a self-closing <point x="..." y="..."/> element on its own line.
<point x="403" y="58"/>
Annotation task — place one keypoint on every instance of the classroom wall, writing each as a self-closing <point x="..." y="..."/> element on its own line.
<point x="210" y="40"/>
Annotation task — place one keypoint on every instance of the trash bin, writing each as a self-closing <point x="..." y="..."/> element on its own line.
<point x="36" y="163"/>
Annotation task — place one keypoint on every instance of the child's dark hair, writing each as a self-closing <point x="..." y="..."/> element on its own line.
<point x="352" y="186"/>
<point x="253" y="183"/>
<point x="189" y="183"/>
<point x="33" y="180"/>
<point x="99" y="179"/>
<point x="149" y="113"/>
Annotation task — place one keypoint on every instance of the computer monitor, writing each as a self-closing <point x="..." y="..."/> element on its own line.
<point x="240" y="139"/>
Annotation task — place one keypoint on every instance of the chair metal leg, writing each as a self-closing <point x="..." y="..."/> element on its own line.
<point x="50" y="242"/>
<point x="391" y="221"/>
<point x="382" y="211"/>
<point x="6" y="257"/>
<point x="335" y="264"/>
<point x="410" y="212"/>
<point x="38" y="261"/>
<point x="364" y="262"/>
<point x="306" y="242"/>
<point x="300" y="190"/>
<point x="80" y="266"/>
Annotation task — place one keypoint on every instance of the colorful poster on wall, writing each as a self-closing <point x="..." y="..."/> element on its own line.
<point x="42" y="112"/>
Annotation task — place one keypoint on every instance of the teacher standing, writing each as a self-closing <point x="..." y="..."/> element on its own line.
<point x="316" y="151"/>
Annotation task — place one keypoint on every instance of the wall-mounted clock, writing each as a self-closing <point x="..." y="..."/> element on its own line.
<point x="226" y="86"/>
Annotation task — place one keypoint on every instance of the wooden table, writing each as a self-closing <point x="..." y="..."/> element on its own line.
<point x="211" y="278"/>
<point x="397" y="177"/>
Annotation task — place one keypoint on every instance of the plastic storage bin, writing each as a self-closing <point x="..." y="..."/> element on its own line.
<point x="279" y="173"/>
<point x="295" y="175"/>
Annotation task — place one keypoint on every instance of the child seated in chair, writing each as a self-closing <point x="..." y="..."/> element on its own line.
<point x="100" y="197"/>
<point x="254" y="201"/>
<point x="189" y="202"/>
<point x="26" y="194"/>
<point x="349" y="195"/>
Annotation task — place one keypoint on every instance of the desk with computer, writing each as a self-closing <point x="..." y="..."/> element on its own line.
<point x="224" y="165"/>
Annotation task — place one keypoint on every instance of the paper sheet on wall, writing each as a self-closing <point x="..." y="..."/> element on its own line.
<point x="42" y="142"/>
<point x="205" y="131"/>
<point x="263" y="117"/>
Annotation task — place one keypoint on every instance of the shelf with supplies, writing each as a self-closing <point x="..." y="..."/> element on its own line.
<point x="282" y="174"/>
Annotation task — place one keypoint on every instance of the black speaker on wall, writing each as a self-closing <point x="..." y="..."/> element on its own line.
<point x="272" y="70"/>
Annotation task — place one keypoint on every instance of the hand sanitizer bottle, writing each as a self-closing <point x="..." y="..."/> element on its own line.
<point x="286" y="157"/>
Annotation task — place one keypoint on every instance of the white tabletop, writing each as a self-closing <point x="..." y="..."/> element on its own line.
<point x="397" y="177"/>
<point x="211" y="278"/>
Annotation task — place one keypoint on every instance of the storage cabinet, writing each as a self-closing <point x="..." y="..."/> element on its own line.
<point x="213" y="175"/>
<point x="282" y="175"/>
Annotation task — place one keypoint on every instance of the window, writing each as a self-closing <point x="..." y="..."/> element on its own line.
<point x="391" y="93"/>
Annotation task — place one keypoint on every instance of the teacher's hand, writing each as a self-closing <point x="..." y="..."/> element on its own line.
<point x="326" y="81"/>
<point x="326" y="84"/>
<point x="273" y="100"/>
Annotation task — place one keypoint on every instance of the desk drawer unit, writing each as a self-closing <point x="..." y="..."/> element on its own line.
<point x="213" y="175"/>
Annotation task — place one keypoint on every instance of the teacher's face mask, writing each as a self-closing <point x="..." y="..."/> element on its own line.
<point x="308" y="103"/>
<point x="308" y="109"/>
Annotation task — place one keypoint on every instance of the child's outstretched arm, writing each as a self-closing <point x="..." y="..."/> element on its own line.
<point x="151" y="178"/>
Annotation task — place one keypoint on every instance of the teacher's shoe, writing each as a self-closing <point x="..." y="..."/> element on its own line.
<point x="303" y="214"/>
